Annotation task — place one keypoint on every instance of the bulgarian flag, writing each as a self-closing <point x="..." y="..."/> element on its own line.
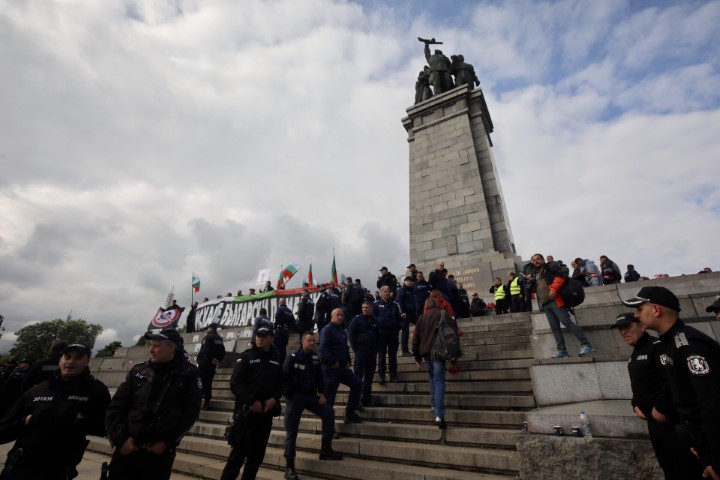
<point x="280" y="279"/>
<point x="288" y="272"/>
<point x="309" y="276"/>
<point x="333" y="272"/>
<point x="196" y="282"/>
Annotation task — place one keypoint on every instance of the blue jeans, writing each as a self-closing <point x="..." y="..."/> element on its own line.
<point x="555" y="316"/>
<point x="436" y="379"/>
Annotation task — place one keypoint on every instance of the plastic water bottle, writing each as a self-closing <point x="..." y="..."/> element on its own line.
<point x="585" y="425"/>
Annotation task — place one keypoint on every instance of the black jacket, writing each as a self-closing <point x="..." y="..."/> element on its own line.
<point x="62" y="413"/>
<point x="42" y="370"/>
<point x="387" y="280"/>
<point x="257" y="376"/>
<point x="305" y="313"/>
<point x="647" y="376"/>
<point x="693" y="367"/>
<point x="212" y="348"/>
<point x="363" y="333"/>
<point x="132" y="412"/>
<point x="303" y="374"/>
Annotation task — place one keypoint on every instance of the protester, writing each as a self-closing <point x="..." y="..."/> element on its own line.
<point x="631" y="275"/>
<point x="549" y="279"/>
<point x="423" y="339"/>
<point x="610" y="271"/>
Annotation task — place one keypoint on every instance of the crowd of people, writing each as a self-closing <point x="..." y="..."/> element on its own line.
<point x="54" y="403"/>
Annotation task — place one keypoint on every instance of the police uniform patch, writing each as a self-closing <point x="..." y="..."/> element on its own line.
<point x="200" y="383"/>
<point x="663" y="359"/>
<point x="681" y="340"/>
<point x="698" y="365"/>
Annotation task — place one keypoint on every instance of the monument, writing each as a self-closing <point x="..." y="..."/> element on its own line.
<point x="457" y="211"/>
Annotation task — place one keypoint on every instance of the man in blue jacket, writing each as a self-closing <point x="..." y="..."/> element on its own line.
<point x="389" y="317"/>
<point x="364" y="339"/>
<point x="406" y="300"/>
<point x="336" y="365"/>
<point x="304" y="390"/>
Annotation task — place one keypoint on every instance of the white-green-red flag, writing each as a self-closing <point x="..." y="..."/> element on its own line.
<point x="196" y="282"/>
<point x="280" y="279"/>
<point x="288" y="272"/>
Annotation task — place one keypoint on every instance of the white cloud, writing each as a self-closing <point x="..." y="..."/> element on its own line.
<point x="144" y="140"/>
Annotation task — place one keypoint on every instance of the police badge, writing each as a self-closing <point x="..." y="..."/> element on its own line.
<point x="698" y="365"/>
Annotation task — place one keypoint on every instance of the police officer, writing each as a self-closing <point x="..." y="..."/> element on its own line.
<point x="304" y="390"/>
<point x="515" y="289"/>
<point x="283" y="319"/>
<point x="329" y="300"/>
<point x="256" y="382"/>
<point x="336" y="365"/>
<point x="364" y="340"/>
<point x="388" y="316"/>
<point x="305" y="312"/>
<point x="648" y="382"/>
<point x="499" y="291"/>
<point x="421" y="292"/>
<point x="152" y="410"/>
<point x="212" y="351"/>
<point x="693" y="368"/>
<point x="50" y="421"/>
<point x="406" y="301"/>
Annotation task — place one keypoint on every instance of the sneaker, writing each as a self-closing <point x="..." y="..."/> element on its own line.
<point x="440" y="422"/>
<point x="561" y="355"/>
<point x="586" y="350"/>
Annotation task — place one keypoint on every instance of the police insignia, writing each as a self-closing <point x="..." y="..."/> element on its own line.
<point x="663" y="359"/>
<point x="698" y="365"/>
<point x="681" y="340"/>
<point x="200" y="383"/>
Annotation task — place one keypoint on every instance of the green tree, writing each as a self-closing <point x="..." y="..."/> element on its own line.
<point x="34" y="341"/>
<point x="109" y="349"/>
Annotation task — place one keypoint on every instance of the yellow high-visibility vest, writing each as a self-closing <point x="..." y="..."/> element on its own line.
<point x="499" y="293"/>
<point x="515" y="286"/>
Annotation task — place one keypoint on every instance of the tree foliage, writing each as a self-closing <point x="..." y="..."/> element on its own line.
<point x="34" y="341"/>
<point x="109" y="349"/>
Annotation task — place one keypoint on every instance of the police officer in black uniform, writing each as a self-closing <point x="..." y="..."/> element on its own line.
<point x="648" y="381"/>
<point x="212" y="351"/>
<point x="152" y="410"/>
<point x="365" y="341"/>
<point x="283" y="319"/>
<point x="304" y="390"/>
<point x="256" y="382"/>
<point x="693" y="368"/>
<point x="305" y="313"/>
<point x="50" y="421"/>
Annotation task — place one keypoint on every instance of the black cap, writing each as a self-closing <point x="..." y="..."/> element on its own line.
<point x="412" y="265"/>
<point x="625" y="319"/>
<point x="657" y="295"/>
<point x="263" y="328"/>
<point x="715" y="307"/>
<point x="407" y="278"/>
<point x="383" y="268"/>
<point x="77" y="347"/>
<point x="213" y="325"/>
<point x="169" y="334"/>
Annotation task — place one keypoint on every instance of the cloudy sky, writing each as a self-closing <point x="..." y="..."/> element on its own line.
<point x="143" y="140"/>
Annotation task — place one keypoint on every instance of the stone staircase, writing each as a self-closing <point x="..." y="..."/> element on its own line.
<point x="486" y="405"/>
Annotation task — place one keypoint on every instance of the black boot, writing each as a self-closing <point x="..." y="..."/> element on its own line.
<point x="206" y="405"/>
<point x="327" y="453"/>
<point x="290" y="473"/>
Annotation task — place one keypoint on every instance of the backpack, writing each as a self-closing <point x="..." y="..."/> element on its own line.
<point x="446" y="345"/>
<point x="572" y="292"/>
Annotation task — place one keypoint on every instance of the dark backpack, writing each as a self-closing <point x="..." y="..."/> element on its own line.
<point x="446" y="345"/>
<point x="572" y="292"/>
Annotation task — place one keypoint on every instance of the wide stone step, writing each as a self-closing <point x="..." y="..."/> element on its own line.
<point x="505" y="401"/>
<point x="423" y="460"/>
<point x="474" y="418"/>
<point x="413" y="433"/>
